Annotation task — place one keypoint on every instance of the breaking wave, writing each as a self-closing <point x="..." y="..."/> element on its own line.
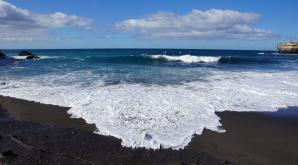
<point x="40" y="57"/>
<point x="188" y="58"/>
<point x="185" y="59"/>
<point x="157" y="116"/>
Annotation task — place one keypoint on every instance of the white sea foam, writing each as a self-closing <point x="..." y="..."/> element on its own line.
<point x="18" y="67"/>
<point x="189" y="58"/>
<point x="261" y="53"/>
<point x="47" y="57"/>
<point x="19" y="57"/>
<point x="154" y="116"/>
<point x="40" y="57"/>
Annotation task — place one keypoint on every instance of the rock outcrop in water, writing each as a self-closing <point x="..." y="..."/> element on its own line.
<point x="28" y="55"/>
<point x="2" y="55"/>
<point x="290" y="48"/>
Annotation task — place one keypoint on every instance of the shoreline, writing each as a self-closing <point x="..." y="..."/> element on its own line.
<point x="23" y="141"/>
<point x="20" y="109"/>
<point x="250" y="138"/>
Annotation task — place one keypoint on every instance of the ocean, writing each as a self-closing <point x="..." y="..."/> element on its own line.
<point x="153" y="98"/>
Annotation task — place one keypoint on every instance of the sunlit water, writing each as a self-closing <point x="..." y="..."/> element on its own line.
<point x="151" y="97"/>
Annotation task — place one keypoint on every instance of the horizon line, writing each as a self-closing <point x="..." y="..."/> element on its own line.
<point x="134" y="48"/>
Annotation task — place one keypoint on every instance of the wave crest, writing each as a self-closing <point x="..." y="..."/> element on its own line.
<point x="189" y="58"/>
<point x="40" y="57"/>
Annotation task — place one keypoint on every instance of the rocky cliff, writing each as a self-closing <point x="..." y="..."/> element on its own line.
<point x="290" y="47"/>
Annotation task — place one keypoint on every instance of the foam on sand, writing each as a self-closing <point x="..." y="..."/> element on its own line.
<point x="189" y="58"/>
<point x="152" y="115"/>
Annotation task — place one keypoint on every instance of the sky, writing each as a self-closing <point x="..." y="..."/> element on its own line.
<point x="196" y="24"/>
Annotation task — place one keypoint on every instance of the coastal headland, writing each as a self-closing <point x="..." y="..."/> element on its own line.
<point x="288" y="48"/>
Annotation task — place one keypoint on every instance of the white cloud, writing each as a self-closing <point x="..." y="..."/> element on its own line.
<point x="17" y="24"/>
<point x="198" y="24"/>
<point x="59" y="19"/>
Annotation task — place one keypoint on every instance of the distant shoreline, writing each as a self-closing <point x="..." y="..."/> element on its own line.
<point x="271" y="50"/>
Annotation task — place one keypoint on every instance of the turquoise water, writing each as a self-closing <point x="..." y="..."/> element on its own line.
<point x="165" y="94"/>
<point x="137" y="65"/>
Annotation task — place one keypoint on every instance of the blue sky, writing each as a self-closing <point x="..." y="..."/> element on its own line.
<point x="202" y="24"/>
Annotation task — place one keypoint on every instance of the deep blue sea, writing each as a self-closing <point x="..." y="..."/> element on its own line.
<point x="153" y="97"/>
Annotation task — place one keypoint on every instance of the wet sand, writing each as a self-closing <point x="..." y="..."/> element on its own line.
<point x="46" y="114"/>
<point x="253" y="138"/>
<point x="49" y="136"/>
<point x="250" y="138"/>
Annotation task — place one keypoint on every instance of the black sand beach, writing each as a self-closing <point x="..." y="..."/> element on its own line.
<point x="33" y="133"/>
<point x="253" y="138"/>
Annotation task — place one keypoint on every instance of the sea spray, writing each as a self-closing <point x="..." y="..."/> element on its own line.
<point x="169" y="115"/>
<point x="152" y="99"/>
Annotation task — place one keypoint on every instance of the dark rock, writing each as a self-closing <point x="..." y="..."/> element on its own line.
<point x="148" y="136"/>
<point x="32" y="57"/>
<point x="9" y="154"/>
<point x="28" y="55"/>
<point x="2" y="55"/>
<point x="25" y="53"/>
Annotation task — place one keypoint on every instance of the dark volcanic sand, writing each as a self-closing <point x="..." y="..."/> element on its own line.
<point x="27" y="142"/>
<point x="49" y="114"/>
<point x="251" y="138"/>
